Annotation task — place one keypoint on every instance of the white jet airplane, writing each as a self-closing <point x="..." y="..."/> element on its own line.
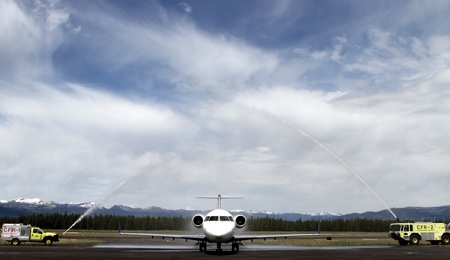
<point x="218" y="227"/>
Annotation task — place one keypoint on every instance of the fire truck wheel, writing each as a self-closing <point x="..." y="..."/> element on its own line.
<point x="15" y="242"/>
<point x="414" y="240"/>
<point x="48" y="242"/>
<point x="445" y="239"/>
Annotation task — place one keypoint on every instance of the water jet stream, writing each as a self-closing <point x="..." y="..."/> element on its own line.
<point x="291" y="125"/>
<point x="98" y="203"/>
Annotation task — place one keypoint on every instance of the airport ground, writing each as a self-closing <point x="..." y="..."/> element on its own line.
<point x="106" y="245"/>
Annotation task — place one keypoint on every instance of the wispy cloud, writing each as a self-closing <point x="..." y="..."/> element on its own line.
<point x="186" y="7"/>
<point x="388" y="56"/>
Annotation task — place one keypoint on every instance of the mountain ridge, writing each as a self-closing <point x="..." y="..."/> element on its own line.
<point x="22" y="206"/>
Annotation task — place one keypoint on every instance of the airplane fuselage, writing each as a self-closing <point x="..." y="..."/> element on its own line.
<point x="219" y="226"/>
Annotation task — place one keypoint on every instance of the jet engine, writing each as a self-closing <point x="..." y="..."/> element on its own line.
<point x="240" y="221"/>
<point x="197" y="221"/>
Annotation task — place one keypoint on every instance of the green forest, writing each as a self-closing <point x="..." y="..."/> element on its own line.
<point x="111" y="222"/>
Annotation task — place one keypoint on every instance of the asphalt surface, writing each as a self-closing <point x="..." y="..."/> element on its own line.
<point x="136" y="248"/>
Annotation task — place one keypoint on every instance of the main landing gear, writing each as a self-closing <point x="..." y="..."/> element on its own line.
<point x="235" y="246"/>
<point x="202" y="246"/>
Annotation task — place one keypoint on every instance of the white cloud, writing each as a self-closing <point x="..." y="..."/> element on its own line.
<point x="199" y="61"/>
<point x="386" y="61"/>
<point x="56" y="17"/>
<point x="75" y="136"/>
<point x="19" y="42"/>
<point x="187" y="8"/>
<point x="337" y="52"/>
<point x="392" y="60"/>
<point x="29" y="38"/>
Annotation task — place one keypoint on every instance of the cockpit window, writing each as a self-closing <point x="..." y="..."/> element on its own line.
<point x="37" y="231"/>
<point x="219" y="218"/>
<point x="395" y="227"/>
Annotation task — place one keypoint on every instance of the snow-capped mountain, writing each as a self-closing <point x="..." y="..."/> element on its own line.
<point x="37" y="206"/>
<point x="286" y="216"/>
<point x="30" y="201"/>
<point x="22" y="202"/>
<point x="24" y="206"/>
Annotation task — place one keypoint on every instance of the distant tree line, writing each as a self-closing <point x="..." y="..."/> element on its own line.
<point x="101" y="222"/>
<point x="111" y="222"/>
<point x="350" y="225"/>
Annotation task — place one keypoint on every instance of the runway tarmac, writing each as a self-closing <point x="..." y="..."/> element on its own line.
<point x="159" y="249"/>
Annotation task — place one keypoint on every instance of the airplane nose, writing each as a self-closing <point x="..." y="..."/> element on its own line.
<point x="215" y="233"/>
<point x="218" y="235"/>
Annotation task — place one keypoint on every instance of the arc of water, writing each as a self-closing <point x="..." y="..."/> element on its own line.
<point x="97" y="204"/>
<point x="271" y="116"/>
<point x="341" y="161"/>
<point x="89" y="211"/>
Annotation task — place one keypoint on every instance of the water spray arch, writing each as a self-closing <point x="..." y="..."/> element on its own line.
<point x="269" y="116"/>
<point x="114" y="191"/>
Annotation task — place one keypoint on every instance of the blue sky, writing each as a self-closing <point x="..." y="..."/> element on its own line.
<point x="195" y="98"/>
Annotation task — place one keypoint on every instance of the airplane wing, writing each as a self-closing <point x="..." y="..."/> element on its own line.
<point x="241" y="238"/>
<point x="203" y="238"/>
<point x="163" y="236"/>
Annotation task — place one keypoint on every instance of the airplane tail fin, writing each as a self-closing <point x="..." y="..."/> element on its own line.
<point x="219" y="198"/>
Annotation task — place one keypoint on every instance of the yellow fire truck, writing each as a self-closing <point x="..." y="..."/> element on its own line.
<point x="17" y="233"/>
<point x="412" y="233"/>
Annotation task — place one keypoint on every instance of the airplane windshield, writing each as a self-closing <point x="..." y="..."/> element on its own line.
<point x="219" y="218"/>
<point x="395" y="227"/>
<point x="38" y="231"/>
